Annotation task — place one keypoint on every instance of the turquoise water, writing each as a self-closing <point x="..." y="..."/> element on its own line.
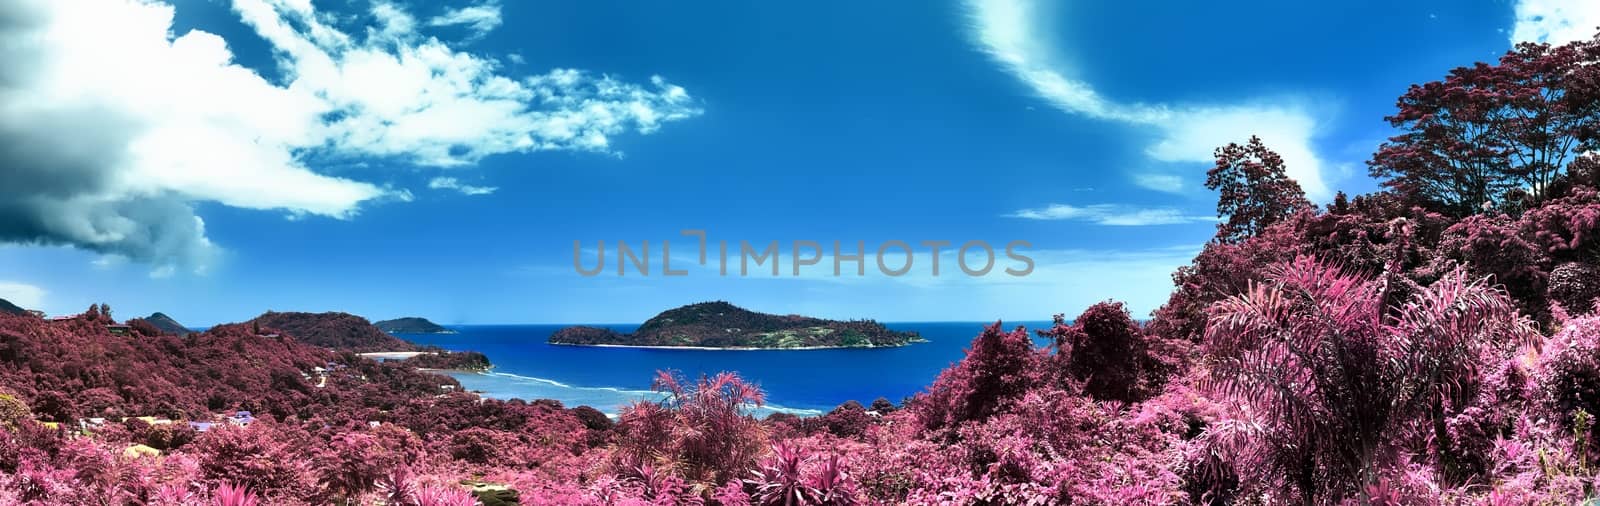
<point x="798" y="381"/>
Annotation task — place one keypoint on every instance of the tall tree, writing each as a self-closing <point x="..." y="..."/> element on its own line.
<point x="1489" y="134"/>
<point x="1256" y="191"/>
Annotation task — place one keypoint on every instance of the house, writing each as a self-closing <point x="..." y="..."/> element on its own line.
<point x="447" y="388"/>
<point x="86" y="424"/>
<point x="36" y="313"/>
<point x="201" y="426"/>
<point x="66" y="318"/>
<point x="241" y="418"/>
<point x="119" y="329"/>
<point x="152" y="420"/>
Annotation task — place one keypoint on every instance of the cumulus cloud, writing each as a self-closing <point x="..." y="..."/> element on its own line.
<point x="481" y="19"/>
<point x="1555" y="21"/>
<point x="450" y="183"/>
<point x="112" y="129"/>
<point x="1169" y="183"/>
<point x="1111" y="214"/>
<point x="1008" y="31"/>
<point x="404" y="95"/>
<point x="23" y="295"/>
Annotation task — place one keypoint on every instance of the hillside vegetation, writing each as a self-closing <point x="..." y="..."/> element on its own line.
<point x="723" y="325"/>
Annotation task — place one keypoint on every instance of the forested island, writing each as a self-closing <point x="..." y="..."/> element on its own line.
<point x="724" y="325"/>
<point x="166" y="324"/>
<point x="444" y="360"/>
<point x="412" y="325"/>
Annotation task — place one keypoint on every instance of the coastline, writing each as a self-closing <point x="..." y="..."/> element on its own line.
<point x="608" y="399"/>
<point x="736" y="348"/>
<point x="461" y="371"/>
<point x="392" y="355"/>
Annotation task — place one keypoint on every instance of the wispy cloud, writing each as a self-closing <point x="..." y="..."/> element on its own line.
<point x="1555" y="21"/>
<point x="1009" y="31"/>
<point x="481" y="19"/>
<point x="121" y="125"/>
<point x="1168" y="183"/>
<point x="1111" y="214"/>
<point x="450" y="183"/>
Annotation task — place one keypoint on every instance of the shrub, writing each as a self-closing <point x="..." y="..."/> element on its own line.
<point x="998" y="368"/>
<point x="260" y="458"/>
<point x="1568" y="375"/>
<point x="1323" y="380"/>
<point x="1574" y="285"/>
<point x="1104" y="350"/>
<point x="847" y="420"/>
<point x="704" y="426"/>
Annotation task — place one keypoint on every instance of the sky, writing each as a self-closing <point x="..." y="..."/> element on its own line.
<point x="215" y="159"/>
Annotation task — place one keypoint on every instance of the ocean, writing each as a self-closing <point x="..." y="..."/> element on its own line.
<point x="803" y="382"/>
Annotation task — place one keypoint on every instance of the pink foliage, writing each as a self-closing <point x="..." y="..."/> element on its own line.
<point x="1324" y="381"/>
<point x="229" y="494"/>
<point x="999" y="367"/>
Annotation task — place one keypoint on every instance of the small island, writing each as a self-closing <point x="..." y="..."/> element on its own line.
<point x="412" y="325"/>
<point x="167" y="325"/>
<point x="721" y="325"/>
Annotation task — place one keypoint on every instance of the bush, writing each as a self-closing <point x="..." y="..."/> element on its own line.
<point x="998" y="369"/>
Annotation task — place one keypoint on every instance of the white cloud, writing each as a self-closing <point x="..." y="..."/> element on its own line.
<point x="23" y="295"/>
<point x="1555" y="21"/>
<point x="1169" y="183"/>
<point x="481" y="19"/>
<point x="425" y="102"/>
<point x="1071" y="280"/>
<point x="116" y="127"/>
<point x="1111" y="214"/>
<point x="1007" y="31"/>
<point x="450" y="183"/>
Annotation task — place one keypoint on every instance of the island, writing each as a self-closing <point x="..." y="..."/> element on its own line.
<point x="721" y="325"/>
<point x="166" y="324"/>
<point x="412" y="325"/>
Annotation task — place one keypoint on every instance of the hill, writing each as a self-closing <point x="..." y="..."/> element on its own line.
<point x="340" y="331"/>
<point x="8" y="308"/>
<point x="166" y="324"/>
<point x="78" y="368"/>
<point x="412" y="325"/>
<point x="724" y="325"/>
<point x="450" y="361"/>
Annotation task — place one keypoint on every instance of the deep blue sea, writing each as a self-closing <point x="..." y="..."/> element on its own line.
<point x="805" y="382"/>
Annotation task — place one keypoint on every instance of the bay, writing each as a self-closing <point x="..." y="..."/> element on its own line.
<point x="804" y="382"/>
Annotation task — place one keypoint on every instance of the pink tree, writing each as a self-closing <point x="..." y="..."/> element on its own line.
<point x="1255" y="188"/>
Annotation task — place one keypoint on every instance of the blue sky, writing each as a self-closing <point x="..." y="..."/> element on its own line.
<point x="214" y="159"/>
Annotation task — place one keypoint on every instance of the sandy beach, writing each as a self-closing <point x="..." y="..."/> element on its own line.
<point x="392" y="355"/>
